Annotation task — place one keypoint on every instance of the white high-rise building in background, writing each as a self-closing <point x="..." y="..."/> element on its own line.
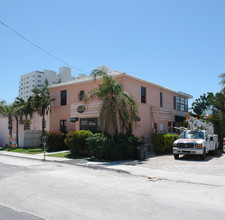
<point x="37" y="78"/>
<point x="64" y="74"/>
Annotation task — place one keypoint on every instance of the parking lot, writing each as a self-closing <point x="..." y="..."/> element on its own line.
<point x="186" y="169"/>
<point x="212" y="165"/>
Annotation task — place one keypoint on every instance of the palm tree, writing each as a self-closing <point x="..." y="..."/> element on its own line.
<point x="25" y="109"/>
<point x="118" y="109"/>
<point x="222" y="82"/>
<point x="9" y="111"/>
<point x="41" y="102"/>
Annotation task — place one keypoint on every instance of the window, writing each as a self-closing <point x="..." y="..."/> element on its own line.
<point x="90" y="124"/>
<point x="186" y="105"/>
<point x="63" y="97"/>
<point x="161" y="99"/>
<point x="63" y="126"/>
<point x="143" y="95"/>
<point x="182" y="104"/>
<point x="169" y="127"/>
<point x="178" y="103"/>
<point x="81" y="95"/>
<point x="161" y="128"/>
<point x="174" y="102"/>
<point x="155" y="128"/>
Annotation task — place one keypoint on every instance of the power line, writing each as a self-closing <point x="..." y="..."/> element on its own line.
<point x="35" y="45"/>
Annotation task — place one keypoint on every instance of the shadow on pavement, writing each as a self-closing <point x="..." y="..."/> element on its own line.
<point x="124" y="162"/>
<point x="197" y="158"/>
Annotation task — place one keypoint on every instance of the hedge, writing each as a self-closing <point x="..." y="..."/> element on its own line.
<point x="105" y="147"/>
<point x="76" y="141"/>
<point x="163" y="143"/>
<point x="55" y="141"/>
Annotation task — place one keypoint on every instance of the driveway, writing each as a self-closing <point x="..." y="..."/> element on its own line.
<point x="186" y="169"/>
<point x="212" y="165"/>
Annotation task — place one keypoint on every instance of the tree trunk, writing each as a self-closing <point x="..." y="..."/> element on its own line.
<point x="43" y="124"/>
<point x="17" y="131"/>
<point x="10" y="130"/>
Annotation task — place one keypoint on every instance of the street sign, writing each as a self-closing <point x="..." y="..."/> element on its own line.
<point x="73" y="119"/>
<point x="44" y="139"/>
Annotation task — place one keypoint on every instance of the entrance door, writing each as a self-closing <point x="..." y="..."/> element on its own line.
<point x="90" y="124"/>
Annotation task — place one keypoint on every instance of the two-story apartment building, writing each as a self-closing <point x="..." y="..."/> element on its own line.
<point x="160" y="109"/>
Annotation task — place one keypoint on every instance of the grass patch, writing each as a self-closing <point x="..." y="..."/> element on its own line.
<point x="67" y="155"/>
<point x="25" y="150"/>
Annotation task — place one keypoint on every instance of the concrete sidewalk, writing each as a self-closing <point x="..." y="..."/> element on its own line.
<point x="139" y="168"/>
<point x="35" y="156"/>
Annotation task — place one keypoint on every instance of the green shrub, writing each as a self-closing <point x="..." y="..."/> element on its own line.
<point x="107" y="148"/>
<point x="76" y="141"/>
<point x="97" y="144"/>
<point x="127" y="144"/>
<point x="163" y="143"/>
<point x="103" y="147"/>
<point x="55" y="141"/>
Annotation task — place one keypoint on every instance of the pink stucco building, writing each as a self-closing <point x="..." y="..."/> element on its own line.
<point x="160" y="109"/>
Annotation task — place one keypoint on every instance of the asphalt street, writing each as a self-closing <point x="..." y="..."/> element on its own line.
<point x="32" y="189"/>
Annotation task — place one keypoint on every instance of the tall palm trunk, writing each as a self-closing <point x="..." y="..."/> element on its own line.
<point x="17" y="130"/>
<point x="43" y="124"/>
<point x="10" y="130"/>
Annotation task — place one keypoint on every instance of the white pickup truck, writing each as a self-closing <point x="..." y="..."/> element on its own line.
<point x="195" y="142"/>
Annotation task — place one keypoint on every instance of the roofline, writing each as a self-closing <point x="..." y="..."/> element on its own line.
<point x="118" y="73"/>
<point x="159" y="86"/>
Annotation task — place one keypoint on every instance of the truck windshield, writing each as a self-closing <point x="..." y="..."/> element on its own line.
<point x="192" y="135"/>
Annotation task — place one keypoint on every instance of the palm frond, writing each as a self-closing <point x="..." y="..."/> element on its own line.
<point x="117" y="108"/>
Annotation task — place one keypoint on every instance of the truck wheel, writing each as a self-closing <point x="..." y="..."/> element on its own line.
<point x="203" y="155"/>
<point x="176" y="156"/>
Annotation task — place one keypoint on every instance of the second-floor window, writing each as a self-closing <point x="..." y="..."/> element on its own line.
<point x="81" y="95"/>
<point x="63" y="97"/>
<point x="161" y="99"/>
<point x="174" y="102"/>
<point x="182" y="104"/>
<point x="143" y="95"/>
<point x="186" y="105"/>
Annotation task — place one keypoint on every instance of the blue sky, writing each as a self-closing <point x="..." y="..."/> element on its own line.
<point x="179" y="44"/>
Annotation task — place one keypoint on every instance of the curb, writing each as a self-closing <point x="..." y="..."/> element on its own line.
<point x="74" y="164"/>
